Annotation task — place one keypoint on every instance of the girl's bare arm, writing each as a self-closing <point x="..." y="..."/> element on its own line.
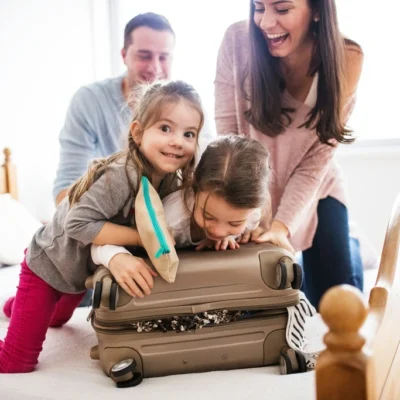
<point x="118" y="235"/>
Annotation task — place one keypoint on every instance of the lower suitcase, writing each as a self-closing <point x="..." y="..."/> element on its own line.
<point x="250" y="287"/>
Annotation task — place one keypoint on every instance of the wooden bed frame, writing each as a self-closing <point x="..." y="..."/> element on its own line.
<point x="8" y="176"/>
<point x="362" y="358"/>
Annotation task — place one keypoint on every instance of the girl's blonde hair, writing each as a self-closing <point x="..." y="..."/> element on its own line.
<point x="147" y="103"/>
<point x="237" y="169"/>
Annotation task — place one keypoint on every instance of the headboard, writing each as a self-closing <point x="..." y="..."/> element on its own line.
<point x="8" y="176"/>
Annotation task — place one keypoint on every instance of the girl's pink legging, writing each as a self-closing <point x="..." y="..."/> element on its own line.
<point x="35" y="307"/>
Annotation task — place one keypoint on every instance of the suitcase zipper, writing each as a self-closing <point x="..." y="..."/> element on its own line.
<point x="250" y="308"/>
<point x="116" y="330"/>
<point x="164" y="248"/>
<point x="88" y="318"/>
<point x="124" y="325"/>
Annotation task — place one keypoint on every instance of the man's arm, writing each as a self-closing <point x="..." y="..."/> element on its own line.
<point x="78" y="140"/>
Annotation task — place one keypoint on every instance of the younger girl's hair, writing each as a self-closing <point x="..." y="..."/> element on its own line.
<point x="237" y="169"/>
<point x="147" y="103"/>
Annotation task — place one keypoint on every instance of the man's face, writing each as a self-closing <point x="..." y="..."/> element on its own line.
<point x="149" y="56"/>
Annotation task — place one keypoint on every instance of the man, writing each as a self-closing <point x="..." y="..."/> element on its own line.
<point x="98" y="115"/>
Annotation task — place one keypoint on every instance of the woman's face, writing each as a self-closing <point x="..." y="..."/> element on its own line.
<point x="286" y="25"/>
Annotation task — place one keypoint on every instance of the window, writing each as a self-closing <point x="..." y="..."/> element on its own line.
<point x="374" y="27"/>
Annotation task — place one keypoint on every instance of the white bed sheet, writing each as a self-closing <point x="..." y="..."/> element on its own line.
<point x="66" y="371"/>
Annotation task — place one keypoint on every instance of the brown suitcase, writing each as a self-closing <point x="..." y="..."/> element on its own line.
<point x="261" y="279"/>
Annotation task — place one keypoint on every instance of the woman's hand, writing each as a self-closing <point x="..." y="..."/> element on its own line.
<point x="132" y="274"/>
<point x="229" y="242"/>
<point x="251" y="236"/>
<point x="278" y="235"/>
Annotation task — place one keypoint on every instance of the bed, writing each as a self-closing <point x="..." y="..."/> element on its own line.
<point x="349" y="368"/>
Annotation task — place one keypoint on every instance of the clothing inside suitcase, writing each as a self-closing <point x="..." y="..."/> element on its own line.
<point x="184" y="323"/>
<point x="225" y="310"/>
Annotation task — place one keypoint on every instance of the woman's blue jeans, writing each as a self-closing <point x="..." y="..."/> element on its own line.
<point x="334" y="258"/>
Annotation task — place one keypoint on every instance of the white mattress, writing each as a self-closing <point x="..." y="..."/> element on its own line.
<point x="66" y="371"/>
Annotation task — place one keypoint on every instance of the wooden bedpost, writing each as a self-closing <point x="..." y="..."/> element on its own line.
<point x="10" y="174"/>
<point x="341" y="368"/>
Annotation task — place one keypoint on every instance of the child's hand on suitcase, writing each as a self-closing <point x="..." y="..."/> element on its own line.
<point x="132" y="274"/>
<point x="227" y="243"/>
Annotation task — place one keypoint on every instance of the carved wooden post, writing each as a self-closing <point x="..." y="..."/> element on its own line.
<point x="341" y="368"/>
<point x="11" y="174"/>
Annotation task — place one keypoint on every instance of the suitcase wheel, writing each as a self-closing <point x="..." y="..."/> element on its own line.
<point x="292" y="362"/>
<point x="297" y="276"/>
<point x="281" y="275"/>
<point x="113" y="296"/>
<point x="123" y="374"/>
<point x="97" y="294"/>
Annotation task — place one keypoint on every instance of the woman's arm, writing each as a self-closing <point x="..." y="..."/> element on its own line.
<point x="225" y="106"/>
<point x="301" y="189"/>
<point x="352" y="69"/>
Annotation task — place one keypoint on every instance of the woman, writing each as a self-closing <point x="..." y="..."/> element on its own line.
<point x="287" y="78"/>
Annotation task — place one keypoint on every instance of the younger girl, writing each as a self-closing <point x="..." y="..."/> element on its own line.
<point x="229" y="188"/>
<point x="163" y="138"/>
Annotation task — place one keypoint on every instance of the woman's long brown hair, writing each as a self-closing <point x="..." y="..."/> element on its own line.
<point x="266" y="113"/>
<point x="147" y="103"/>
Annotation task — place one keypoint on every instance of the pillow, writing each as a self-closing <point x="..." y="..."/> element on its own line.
<point x="17" y="228"/>
<point x="153" y="231"/>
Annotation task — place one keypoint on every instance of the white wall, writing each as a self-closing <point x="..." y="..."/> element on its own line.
<point x="47" y="53"/>
<point x="372" y="181"/>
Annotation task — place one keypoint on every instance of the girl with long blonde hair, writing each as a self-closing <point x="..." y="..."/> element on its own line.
<point x="163" y="138"/>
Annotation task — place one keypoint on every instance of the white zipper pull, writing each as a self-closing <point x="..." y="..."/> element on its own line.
<point x="90" y="315"/>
